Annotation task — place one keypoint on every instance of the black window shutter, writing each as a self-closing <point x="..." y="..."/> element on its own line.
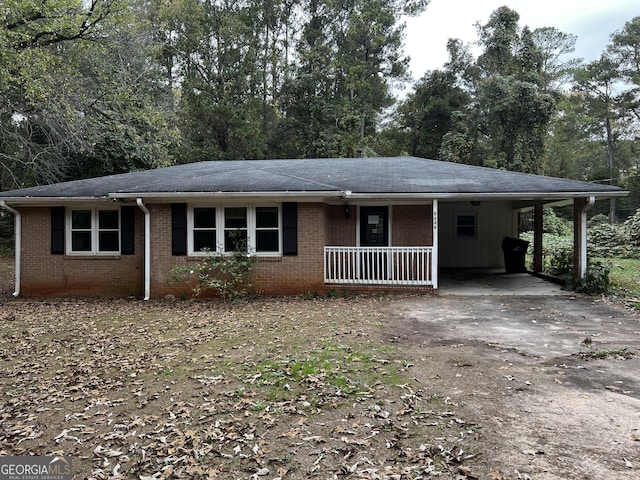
<point x="127" y="230"/>
<point x="178" y="229"/>
<point x="57" y="230"/>
<point x="290" y="228"/>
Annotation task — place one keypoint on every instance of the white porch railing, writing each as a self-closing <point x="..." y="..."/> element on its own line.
<point x="378" y="265"/>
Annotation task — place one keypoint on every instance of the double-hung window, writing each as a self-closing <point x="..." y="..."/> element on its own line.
<point x="204" y="230"/>
<point x="93" y="231"/>
<point x="466" y="226"/>
<point x="267" y="231"/>
<point x="225" y="229"/>
<point x="235" y="229"/>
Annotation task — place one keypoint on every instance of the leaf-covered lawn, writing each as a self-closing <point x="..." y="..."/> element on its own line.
<point x="273" y="388"/>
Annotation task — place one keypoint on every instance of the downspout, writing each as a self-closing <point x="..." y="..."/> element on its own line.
<point x="18" y="242"/>
<point x="147" y="249"/>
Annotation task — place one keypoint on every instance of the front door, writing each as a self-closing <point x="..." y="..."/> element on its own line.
<point x="374" y="226"/>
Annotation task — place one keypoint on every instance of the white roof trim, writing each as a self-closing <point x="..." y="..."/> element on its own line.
<point x="314" y="195"/>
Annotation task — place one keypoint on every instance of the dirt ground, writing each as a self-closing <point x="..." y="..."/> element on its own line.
<point x="554" y="381"/>
<point x="493" y="387"/>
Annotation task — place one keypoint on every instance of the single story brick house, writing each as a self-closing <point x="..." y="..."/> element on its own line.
<point x="314" y="225"/>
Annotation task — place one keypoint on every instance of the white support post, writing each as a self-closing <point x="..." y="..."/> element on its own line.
<point x="434" y="252"/>
<point x="580" y="207"/>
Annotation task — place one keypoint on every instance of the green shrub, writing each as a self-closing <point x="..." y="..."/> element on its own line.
<point x="228" y="275"/>
<point x="632" y="227"/>
<point x="606" y="240"/>
<point x="598" y="219"/>
<point x="557" y="252"/>
<point x="553" y="224"/>
<point x="597" y="279"/>
<point x="560" y="261"/>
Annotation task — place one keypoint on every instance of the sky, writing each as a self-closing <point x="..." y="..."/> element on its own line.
<point x="593" y="21"/>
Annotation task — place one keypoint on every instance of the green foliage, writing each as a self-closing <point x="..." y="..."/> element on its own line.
<point x="6" y="233"/>
<point x="632" y="226"/>
<point x="228" y="275"/>
<point x="348" y="55"/>
<point x="506" y="122"/>
<point x="85" y="97"/>
<point x="606" y="240"/>
<point x="620" y="353"/>
<point x="554" y="224"/>
<point x="625" y="47"/>
<point x="596" y="220"/>
<point x="110" y="86"/>
<point x="597" y="279"/>
<point x="561" y="258"/>
<point x="557" y="252"/>
<point x="427" y="114"/>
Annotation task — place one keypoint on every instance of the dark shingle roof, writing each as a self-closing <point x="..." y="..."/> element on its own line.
<point x="396" y="175"/>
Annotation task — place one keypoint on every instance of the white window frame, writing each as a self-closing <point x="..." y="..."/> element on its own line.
<point x="224" y="228"/>
<point x="95" y="230"/>
<point x="220" y="228"/>
<point x="191" y="227"/>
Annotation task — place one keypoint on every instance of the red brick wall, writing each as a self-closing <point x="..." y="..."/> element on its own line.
<point x="342" y="231"/>
<point x="43" y="274"/>
<point x="296" y="274"/>
<point x="412" y="225"/>
<point x="318" y="225"/>
<point x="162" y="261"/>
<point x="286" y="275"/>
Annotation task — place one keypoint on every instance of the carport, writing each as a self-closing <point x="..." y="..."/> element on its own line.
<point x="471" y="228"/>
<point x="488" y="281"/>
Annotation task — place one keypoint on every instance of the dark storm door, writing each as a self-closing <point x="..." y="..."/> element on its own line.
<point x="374" y="232"/>
<point x="374" y="228"/>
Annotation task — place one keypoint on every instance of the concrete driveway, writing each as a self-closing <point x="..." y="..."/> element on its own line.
<point x="474" y="282"/>
<point x="552" y="378"/>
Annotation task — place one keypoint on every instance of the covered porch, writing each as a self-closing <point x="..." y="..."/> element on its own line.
<point x="392" y="243"/>
<point x="464" y="234"/>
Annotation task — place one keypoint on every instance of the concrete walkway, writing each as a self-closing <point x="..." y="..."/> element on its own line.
<point x="495" y="282"/>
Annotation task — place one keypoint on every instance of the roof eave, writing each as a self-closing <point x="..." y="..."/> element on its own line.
<point x="490" y="195"/>
<point x="165" y="197"/>
<point x="48" y="201"/>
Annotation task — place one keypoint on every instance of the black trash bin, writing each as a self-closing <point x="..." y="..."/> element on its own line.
<point x="515" y="251"/>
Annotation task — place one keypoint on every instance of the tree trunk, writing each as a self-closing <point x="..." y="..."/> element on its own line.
<point x="610" y="158"/>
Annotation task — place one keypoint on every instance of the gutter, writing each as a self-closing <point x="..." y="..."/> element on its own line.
<point x="306" y="195"/>
<point x="18" y="243"/>
<point x="171" y="196"/>
<point x="147" y="249"/>
<point x="485" y="196"/>
<point x="57" y="200"/>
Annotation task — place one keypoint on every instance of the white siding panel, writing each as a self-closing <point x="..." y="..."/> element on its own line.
<point x="494" y="221"/>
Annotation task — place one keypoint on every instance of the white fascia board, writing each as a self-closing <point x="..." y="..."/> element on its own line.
<point x="168" y="197"/>
<point x="53" y="201"/>
<point x="552" y="196"/>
